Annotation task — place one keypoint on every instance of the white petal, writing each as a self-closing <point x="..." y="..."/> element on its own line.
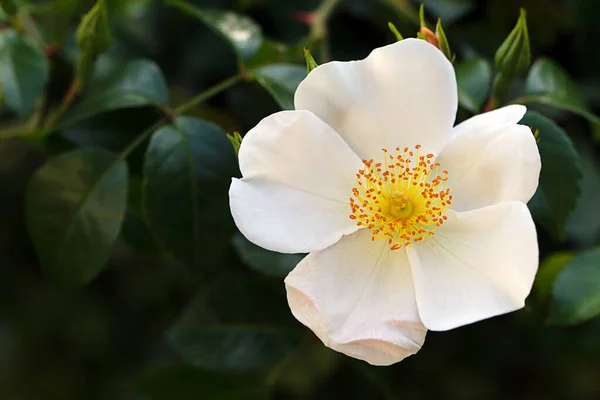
<point x="287" y="220"/>
<point x="297" y="149"/>
<point x="487" y="166"/>
<point x="506" y="115"/>
<point x="358" y="297"/>
<point x="479" y="264"/>
<point x="400" y="95"/>
<point x="298" y="176"/>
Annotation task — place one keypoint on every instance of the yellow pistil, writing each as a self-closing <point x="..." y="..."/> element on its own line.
<point x="402" y="199"/>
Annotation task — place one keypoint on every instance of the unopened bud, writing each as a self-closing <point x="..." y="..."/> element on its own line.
<point x="438" y="39"/>
<point x="93" y="38"/>
<point x="514" y="55"/>
<point x="310" y="60"/>
<point x="93" y="34"/>
<point x="430" y="37"/>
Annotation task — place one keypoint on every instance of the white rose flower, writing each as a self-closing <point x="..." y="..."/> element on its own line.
<point x="411" y="223"/>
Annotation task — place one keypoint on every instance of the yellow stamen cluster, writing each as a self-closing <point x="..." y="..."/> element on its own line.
<point x="402" y="199"/>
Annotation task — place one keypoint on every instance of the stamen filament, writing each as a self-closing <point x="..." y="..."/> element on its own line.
<point x="402" y="199"/>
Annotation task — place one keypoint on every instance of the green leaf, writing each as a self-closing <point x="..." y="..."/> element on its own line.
<point x="309" y="365"/>
<point x="513" y="57"/>
<point x="474" y="79"/>
<point x="23" y="72"/>
<point x="187" y="173"/>
<point x="235" y="324"/>
<point x="113" y="130"/>
<point x="548" y="272"/>
<point x="576" y="294"/>
<point x="74" y="207"/>
<point x="450" y="10"/>
<point x="266" y="262"/>
<point x="583" y="227"/>
<point x="179" y="382"/>
<point x="281" y="81"/>
<point x="120" y="84"/>
<point x="272" y="52"/>
<point x="549" y="84"/>
<point x="10" y="7"/>
<point x="242" y="33"/>
<point x="559" y="186"/>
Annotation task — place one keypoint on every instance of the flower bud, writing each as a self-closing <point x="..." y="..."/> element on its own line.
<point x="438" y="39"/>
<point x="514" y="55"/>
<point x="93" y="33"/>
<point x="93" y="38"/>
<point x="430" y="37"/>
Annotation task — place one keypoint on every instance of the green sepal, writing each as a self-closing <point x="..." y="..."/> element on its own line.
<point x="236" y="141"/>
<point x="392" y="28"/>
<point x="422" y="16"/>
<point x="443" y="41"/>
<point x="310" y="60"/>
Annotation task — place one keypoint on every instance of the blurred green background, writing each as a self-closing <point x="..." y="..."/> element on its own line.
<point x="152" y="327"/>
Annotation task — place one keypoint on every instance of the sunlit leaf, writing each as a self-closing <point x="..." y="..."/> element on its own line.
<point x="243" y="35"/>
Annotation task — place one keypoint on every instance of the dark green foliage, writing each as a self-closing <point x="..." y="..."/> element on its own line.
<point x="559" y="186"/>
<point x="122" y="275"/>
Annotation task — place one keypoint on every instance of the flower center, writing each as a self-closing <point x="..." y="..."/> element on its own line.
<point x="401" y="199"/>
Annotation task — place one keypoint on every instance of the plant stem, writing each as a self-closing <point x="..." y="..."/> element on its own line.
<point x="142" y="138"/>
<point x="64" y="105"/>
<point x="326" y="8"/>
<point x="24" y="23"/>
<point x="318" y="27"/>
<point x="522" y="100"/>
<point x="219" y="87"/>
